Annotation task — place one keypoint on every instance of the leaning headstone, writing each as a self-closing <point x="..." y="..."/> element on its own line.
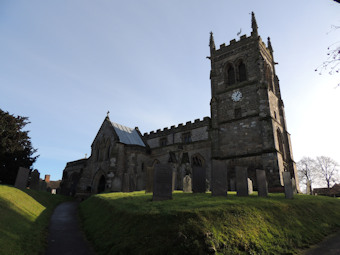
<point x="149" y="179"/>
<point x="22" y="178"/>
<point x="126" y="183"/>
<point x="250" y="186"/>
<point x="34" y="183"/>
<point x="162" y="186"/>
<point x="198" y="179"/>
<point x="219" y="182"/>
<point x="241" y="180"/>
<point x="288" y="185"/>
<point x="309" y="187"/>
<point x="262" y="186"/>
<point x="187" y="184"/>
<point x="232" y="184"/>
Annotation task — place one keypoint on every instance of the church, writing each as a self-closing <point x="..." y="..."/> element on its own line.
<point x="247" y="127"/>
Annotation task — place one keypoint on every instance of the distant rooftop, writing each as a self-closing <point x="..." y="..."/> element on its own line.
<point x="127" y="135"/>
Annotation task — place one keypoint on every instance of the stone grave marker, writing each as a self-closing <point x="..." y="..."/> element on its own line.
<point x="250" y="186"/>
<point x="116" y="184"/>
<point x="232" y="184"/>
<point x="162" y="186"/>
<point x="294" y="186"/>
<point x="198" y="179"/>
<point x="126" y="183"/>
<point x="219" y="182"/>
<point x="262" y="186"/>
<point x="288" y="185"/>
<point x="309" y="187"/>
<point x="241" y="180"/>
<point x="35" y="176"/>
<point x="187" y="184"/>
<point x="22" y="178"/>
<point x="149" y="179"/>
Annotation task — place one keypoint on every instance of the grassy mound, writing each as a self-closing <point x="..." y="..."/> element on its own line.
<point x="24" y="217"/>
<point x="130" y="223"/>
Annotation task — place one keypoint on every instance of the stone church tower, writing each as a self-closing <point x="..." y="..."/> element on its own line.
<point x="248" y="124"/>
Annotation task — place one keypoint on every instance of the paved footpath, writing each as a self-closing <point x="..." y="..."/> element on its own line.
<point x="329" y="246"/>
<point x="65" y="237"/>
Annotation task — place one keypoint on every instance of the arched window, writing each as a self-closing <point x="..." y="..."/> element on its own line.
<point x="197" y="160"/>
<point x="108" y="152"/>
<point x="242" y="74"/>
<point x="281" y="145"/>
<point x="230" y="75"/>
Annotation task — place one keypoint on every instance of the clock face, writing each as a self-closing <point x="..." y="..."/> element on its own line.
<point x="236" y="96"/>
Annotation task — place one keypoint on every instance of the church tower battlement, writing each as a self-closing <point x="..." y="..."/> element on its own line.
<point x="248" y="125"/>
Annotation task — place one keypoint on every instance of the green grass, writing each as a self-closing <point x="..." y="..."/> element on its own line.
<point x="24" y="217"/>
<point x="130" y="223"/>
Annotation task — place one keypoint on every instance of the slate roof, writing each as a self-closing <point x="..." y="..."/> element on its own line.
<point x="127" y="135"/>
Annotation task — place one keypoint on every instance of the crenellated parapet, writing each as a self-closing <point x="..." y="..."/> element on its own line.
<point x="179" y="129"/>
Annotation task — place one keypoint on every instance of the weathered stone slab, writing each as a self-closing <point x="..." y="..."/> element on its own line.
<point x="219" y="182"/>
<point x="232" y="184"/>
<point x="309" y="187"/>
<point x="294" y="186"/>
<point x="241" y="180"/>
<point x="126" y="183"/>
<point x="262" y="185"/>
<point x="140" y="182"/>
<point x="198" y="179"/>
<point x="187" y="187"/>
<point x="22" y="178"/>
<point x="288" y="185"/>
<point x="149" y="179"/>
<point x="162" y="186"/>
<point x="250" y="186"/>
<point x="35" y="177"/>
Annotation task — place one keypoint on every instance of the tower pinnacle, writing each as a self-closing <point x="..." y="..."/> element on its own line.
<point x="212" y="43"/>
<point x="270" y="46"/>
<point x="254" y="24"/>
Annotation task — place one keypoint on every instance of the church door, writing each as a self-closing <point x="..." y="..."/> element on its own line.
<point x="101" y="184"/>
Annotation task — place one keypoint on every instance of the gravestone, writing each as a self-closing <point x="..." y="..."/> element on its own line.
<point x="288" y="185"/>
<point x="219" y="182"/>
<point x="22" y="178"/>
<point x="187" y="184"/>
<point x="232" y="184"/>
<point x="262" y="186"/>
<point x="250" y="186"/>
<point x="198" y="179"/>
<point x="34" y="183"/>
<point x="140" y="182"/>
<point x="309" y="187"/>
<point x="162" y="186"/>
<point x="116" y="184"/>
<point x="149" y="179"/>
<point x="174" y="174"/>
<point x="241" y="180"/>
<point x="294" y="186"/>
<point x="126" y="183"/>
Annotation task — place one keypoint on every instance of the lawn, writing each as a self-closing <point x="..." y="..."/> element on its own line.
<point x="24" y="217"/>
<point x="130" y="223"/>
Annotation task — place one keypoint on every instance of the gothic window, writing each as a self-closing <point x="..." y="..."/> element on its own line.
<point x="274" y="114"/>
<point x="242" y="74"/>
<point x="186" y="137"/>
<point x="163" y="141"/>
<point x="238" y="113"/>
<point x="230" y="75"/>
<point x="197" y="160"/>
<point x="108" y="152"/>
<point x="281" y="145"/>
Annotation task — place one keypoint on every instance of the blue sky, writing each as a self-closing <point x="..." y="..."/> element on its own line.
<point x="64" y="64"/>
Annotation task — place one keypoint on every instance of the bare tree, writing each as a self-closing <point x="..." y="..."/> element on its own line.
<point x="307" y="171"/>
<point x="328" y="169"/>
